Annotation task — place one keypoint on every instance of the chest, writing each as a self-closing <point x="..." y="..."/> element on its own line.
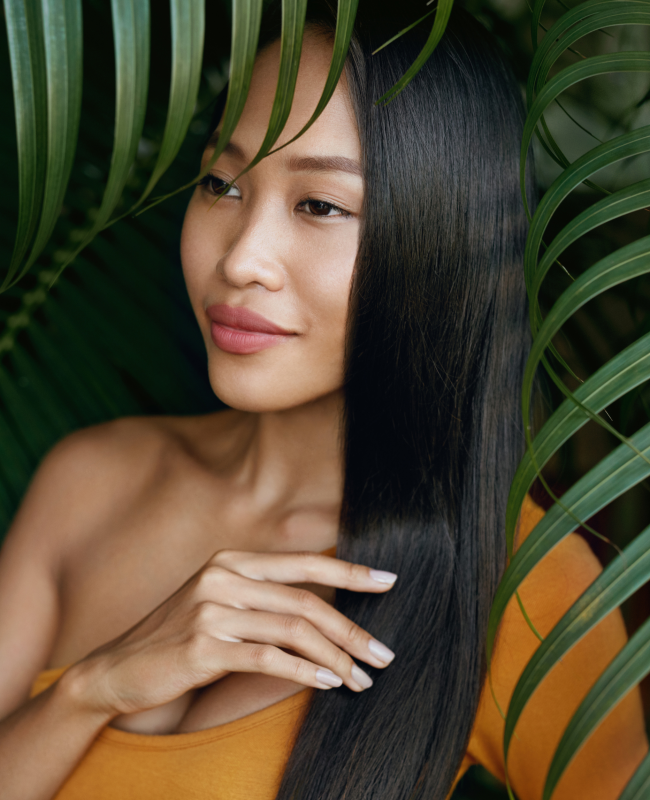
<point x="132" y="563"/>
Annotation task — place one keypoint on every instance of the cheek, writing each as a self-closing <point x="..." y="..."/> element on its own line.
<point x="318" y="268"/>
<point x="316" y="295"/>
<point x="323" y="289"/>
<point x="327" y="290"/>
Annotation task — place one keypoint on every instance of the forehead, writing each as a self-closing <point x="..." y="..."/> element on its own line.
<point x="334" y="132"/>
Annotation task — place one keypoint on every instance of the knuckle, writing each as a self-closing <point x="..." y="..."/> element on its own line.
<point x="198" y="647"/>
<point x="223" y="558"/>
<point x="308" y="560"/>
<point x="262" y="656"/>
<point x="214" y="576"/>
<point x="305" y="600"/>
<point x="205" y="614"/>
<point x="354" y="572"/>
<point x="353" y="634"/>
<point x="342" y="662"/>
<point x="298" y="670"/>
<point x="295" y="627"/>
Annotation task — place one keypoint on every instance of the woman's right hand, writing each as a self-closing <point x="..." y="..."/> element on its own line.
<point x="236" y="614"/>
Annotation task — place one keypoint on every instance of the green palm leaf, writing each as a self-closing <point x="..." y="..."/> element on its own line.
<point x="617" y="377"/>
<point x="629" y="667"/>
<point x="293" y="25"/>
<point x="639" y="785"/>
<point x="615" y="474"/>
<point x="589" y="68"/>
<point x="57" y="75"/>
<point x="628" y="262"/>
<point x="63" y="66"/>
<point x="585" y="18"/>
<point x="347" y="10"/>
<point x="25" y="35"/>
<point x="626" y="146"/>
<point x="188" y="32"/>
<point x="131" y="30"/>
<point x="625" y="201"/>
<point x="443" y="13"/>
<point x="628" y="464"/>
<point x="246" y="21"/>
<point x="623" y="577"/>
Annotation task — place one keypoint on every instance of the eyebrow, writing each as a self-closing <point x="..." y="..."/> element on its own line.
<point x="299" y="163"/>
<point x="324" y="164"/>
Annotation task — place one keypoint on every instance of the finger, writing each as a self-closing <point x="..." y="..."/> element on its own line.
<point x="291" y="632"/>
<point x="270" y="660"/>
<point x="305" y="567"/>
<point x="232" y="589"/>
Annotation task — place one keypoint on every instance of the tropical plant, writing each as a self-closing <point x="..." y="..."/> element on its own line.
<point x="109" y="332"/>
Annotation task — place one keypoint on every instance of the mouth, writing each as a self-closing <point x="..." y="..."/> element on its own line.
<point x="241" y="331"/>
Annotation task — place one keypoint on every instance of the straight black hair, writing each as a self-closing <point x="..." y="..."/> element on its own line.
<point x="436" y="348"/>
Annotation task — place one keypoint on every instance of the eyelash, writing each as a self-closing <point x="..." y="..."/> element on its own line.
<point x="208" y="182"/>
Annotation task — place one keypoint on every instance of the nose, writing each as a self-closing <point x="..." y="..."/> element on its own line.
<point x="254" y="255"/>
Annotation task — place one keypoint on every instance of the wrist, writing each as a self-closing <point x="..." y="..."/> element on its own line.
<point x="80" y="686"/>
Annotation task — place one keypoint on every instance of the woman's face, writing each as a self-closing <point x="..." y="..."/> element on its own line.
<point x="281" y="244"/>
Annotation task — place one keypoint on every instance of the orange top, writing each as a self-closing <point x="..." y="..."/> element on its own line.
<point x="239" y="760"/>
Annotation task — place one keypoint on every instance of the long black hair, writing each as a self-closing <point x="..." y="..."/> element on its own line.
<point x="436" y="348"/>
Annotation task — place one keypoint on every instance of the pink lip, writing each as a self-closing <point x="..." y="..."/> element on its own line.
<point x="241" y="331"/>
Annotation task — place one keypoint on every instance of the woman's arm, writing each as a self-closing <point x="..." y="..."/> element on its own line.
<point x="44" y="739"/>
<point x="41" y="740"/>
<point x="610" y="756"/>
<point x="235" y="614"/>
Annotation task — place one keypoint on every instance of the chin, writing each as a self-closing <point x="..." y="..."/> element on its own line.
<point x="258" y="388"/>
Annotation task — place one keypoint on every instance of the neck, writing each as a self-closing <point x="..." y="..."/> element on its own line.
<point x="292" y="457"/>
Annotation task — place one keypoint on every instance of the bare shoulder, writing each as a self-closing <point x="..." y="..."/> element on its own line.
<point x="62" y="497"/>
<point x="608" y="759"/>
<point x="80" y="495"/>
<point x="97" y="472"/>
<point x="86" y="474"/>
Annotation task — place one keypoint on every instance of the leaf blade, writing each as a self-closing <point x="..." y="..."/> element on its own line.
<point x="188" y="35"/>
<point x="622" y="577"/>
<point x="613" y="475"/>
<point x="639" y="784"/>
<point x="627" y="669"/>
<point x="619" y="375"/>
<point x="27" y="56"/>
<point x="63" y="36"/>
<point x="440" y="21"/>
<point x="589" y="68"/>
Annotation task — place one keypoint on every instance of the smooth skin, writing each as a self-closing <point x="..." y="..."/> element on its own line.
<point x="174" y="562"/>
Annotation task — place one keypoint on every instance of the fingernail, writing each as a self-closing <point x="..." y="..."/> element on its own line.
<point x="380" y="651"/>
<point x="382" y="577"/>
<point x="358" y="675"/>
<point x="328" y="678"/>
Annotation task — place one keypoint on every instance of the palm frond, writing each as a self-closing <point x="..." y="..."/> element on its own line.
<point x="621" y="376"/>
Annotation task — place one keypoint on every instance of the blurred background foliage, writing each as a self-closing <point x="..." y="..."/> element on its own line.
<point x="116" y="336"/>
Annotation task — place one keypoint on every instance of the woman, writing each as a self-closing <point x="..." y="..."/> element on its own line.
<point x="361" y="300"/>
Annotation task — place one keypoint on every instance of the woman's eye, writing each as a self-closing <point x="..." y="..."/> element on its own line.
<point x="217" y="185"/>
<point x="319" y="208"/>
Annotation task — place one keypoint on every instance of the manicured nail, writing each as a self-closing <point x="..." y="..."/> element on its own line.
<point x="327" y="678"/>
<point x="382" y="577"/>
<point x="358" y="675"/>
<point x="380" y="651"/>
